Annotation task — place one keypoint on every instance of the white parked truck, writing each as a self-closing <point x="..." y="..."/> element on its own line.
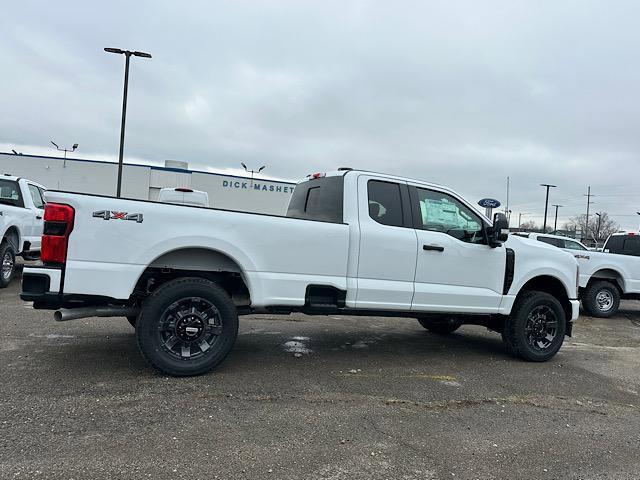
<point x="21" y="211"/>
<point x="184" y="196"/>
<point x="605" y="277"/>
<point x="352" y="243"/>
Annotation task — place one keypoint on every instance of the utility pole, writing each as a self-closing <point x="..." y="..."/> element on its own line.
<point x="546" y="205"/>
<point x="555" y="223"/>
<point x="525" y="213"/>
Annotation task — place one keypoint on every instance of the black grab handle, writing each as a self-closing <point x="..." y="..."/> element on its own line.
<point x="436" y="248"/>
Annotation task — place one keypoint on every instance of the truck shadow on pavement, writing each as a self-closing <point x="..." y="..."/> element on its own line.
<point x="265" y="351"/>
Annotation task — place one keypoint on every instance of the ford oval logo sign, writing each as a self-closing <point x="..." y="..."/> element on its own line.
<point x="489" y="203"/>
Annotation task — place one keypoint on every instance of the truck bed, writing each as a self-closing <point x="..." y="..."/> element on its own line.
<point x="108" y="253"/>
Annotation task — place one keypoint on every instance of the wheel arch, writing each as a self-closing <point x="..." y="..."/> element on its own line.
<point x="12" y="235"/>
<point x="205" y="262"/>
<point x="609" y="274"/>
<point x="551" y="285"/>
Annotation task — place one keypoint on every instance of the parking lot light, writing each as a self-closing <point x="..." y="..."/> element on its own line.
<point x="127" y="54"/>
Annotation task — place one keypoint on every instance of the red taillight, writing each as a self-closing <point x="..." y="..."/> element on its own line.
<point x="58" y="223"/>
<point x="317" y="175"/>
<point x="56" y="212"/>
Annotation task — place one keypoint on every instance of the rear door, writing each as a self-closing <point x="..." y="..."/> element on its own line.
<point x="387" y="258"/>
<point x="37" y="223"/>
<point x="456" y="269"/>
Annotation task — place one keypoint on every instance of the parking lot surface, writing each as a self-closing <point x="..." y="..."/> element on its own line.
<point x="317" y="397"/>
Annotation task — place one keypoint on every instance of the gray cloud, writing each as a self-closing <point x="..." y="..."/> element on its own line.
<point x="461" y="93"/>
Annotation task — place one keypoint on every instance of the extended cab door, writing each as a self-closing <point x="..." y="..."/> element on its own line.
<point x="36" y="221"/>
<point x="387" y="258"/>
<point x="456" y="270"/>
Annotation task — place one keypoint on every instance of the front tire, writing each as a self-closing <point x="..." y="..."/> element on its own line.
<point x="187" y="327"/>
<point x="601" y="299"/>
<point x="536" y="328"/>
<point x="440" y="326"/>
<point x="7" y="264"/>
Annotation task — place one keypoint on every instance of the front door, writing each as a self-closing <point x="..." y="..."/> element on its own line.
<point x="456" y="270"/>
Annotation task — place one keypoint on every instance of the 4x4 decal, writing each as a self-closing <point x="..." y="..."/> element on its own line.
<point x="110" y="215"/>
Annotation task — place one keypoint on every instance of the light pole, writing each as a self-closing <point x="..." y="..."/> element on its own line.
<point x="520" y="217"/>
<point x="555" y="223"/>
<point x="65" y="150"/>
<point x="252" y="171"/>
<point x="546" y="205"/>
<point x="127" y="55"/>
<point x="598" y="228"/>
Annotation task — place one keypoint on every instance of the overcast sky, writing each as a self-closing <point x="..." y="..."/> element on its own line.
<point x="454" y="92"/>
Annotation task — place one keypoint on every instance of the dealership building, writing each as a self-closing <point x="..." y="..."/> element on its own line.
<point x="145" y="181"/>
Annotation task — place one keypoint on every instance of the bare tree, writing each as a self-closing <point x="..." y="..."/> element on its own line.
<point x="599" y="228"/>
<point x="529" y="226"/>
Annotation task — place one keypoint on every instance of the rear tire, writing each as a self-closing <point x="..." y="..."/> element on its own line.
<point x="7" y="264"/>
<point x="440" y="326"/>
<point x="601" y="299"/>
<point x="187" y="327"/>
<point x="536" y="328"/>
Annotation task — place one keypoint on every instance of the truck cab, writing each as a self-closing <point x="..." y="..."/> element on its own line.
<point x="21" y="222"/>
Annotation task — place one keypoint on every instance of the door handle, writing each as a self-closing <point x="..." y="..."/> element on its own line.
<point x="38" y="217"/>
<point x="436" y="248"/>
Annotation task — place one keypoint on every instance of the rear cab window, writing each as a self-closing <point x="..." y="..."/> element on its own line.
<point x="623" y="245"/>
<point x="318" y="199"/>
<point x="614" y="244"/>
<point x="631" y="246"/>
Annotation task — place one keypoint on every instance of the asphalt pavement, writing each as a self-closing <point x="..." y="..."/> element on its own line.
<point x="306" y="397"/>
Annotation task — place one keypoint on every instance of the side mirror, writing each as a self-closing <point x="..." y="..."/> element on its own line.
<point x="499" y="232"/>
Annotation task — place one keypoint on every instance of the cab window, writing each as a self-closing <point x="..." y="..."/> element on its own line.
<point x="571" y="245"/>
<point x="385" y="203"/>
<point x="556" y="242"/>
<point x="440" y="212"/>
<point x="631" y="246"/>
<point x="318" y="199"/>
<point x="10" y="193"/>
<point x="614" y="244"/>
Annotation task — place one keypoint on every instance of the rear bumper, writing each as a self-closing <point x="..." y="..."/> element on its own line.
<point x="41" y="279"/>
<point x="43" y="287"/>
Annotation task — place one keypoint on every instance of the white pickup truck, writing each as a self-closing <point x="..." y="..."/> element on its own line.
<point x="21" y="211"/>
<point x="352" y="242"/>
<point x="605" y="277"/>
